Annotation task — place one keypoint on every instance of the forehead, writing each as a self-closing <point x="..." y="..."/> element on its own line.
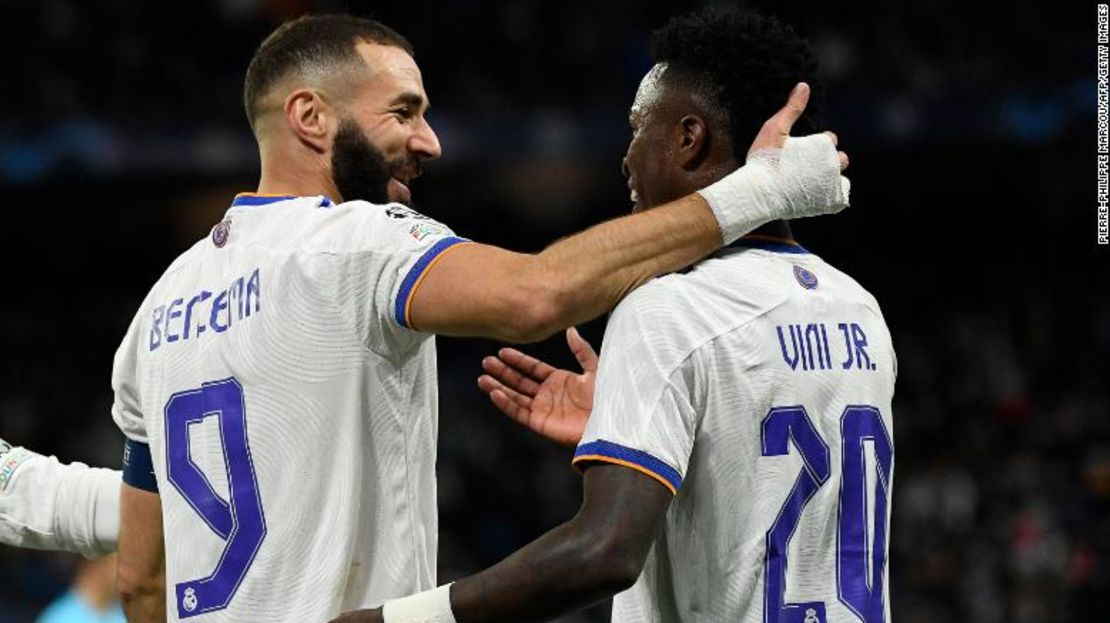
<point x="650" y="92"/>
<point x="388" y="72"/>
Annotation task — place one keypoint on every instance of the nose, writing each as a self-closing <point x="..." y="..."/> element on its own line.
<point x="424" y="142"/>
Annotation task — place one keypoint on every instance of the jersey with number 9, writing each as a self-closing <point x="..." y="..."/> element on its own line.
<point x="289" y="412"/>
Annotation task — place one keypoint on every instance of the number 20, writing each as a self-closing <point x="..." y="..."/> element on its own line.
<point x="858" y="587"/>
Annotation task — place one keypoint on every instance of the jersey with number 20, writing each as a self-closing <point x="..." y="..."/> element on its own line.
<point x="757" y="387"/>
<point x="289" y="410"/>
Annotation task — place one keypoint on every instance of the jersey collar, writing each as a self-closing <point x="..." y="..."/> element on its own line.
<point x="769" y="243"/>
<point x="256" y="199"/>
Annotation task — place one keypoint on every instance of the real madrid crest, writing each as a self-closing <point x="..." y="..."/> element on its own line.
<point x="221" y="232"/>
<point x="805" y="278"/>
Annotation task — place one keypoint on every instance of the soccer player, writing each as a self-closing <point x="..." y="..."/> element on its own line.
<point x="277" y="386"/>
<point x="738" y="458"/>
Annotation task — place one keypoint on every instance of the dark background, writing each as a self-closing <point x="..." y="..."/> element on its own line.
<point x="971" y="133"/>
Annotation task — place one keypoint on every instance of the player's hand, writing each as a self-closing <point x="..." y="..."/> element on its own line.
<point x="777" y="129"/>
<point x="361" y="616"/>
<point x="552" y="402"/>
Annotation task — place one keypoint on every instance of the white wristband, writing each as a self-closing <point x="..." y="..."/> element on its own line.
<point x="801" y="179"/>
<point x="432" y="606"/>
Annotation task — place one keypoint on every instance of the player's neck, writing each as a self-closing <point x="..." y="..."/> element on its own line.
<point x="300" y="177"/>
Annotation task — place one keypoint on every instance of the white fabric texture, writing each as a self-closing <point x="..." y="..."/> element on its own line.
<point x="45" y="504"/>
<point x="292" y="309"/>
<point x="691" y="366"/>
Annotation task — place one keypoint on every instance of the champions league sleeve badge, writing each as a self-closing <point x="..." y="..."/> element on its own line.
<point x="221" y="232"/>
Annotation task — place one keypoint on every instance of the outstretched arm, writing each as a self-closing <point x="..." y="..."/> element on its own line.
<point x="598" y="553"/>
<point x="481" y="290"/>
<point x="45" y="504"/>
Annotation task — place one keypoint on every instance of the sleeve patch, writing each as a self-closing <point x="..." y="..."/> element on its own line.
<point x="9" y="462"/>
<point x="609" y="452"/>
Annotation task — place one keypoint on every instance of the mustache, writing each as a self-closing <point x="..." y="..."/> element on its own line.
<point x="406" y="168"/>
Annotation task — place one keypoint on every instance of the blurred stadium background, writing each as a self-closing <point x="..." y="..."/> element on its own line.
<point x="971" y="132"/>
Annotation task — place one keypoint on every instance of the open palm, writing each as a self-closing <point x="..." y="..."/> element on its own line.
<point x="551" y="401"/>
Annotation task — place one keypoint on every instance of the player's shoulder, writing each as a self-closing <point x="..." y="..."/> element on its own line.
<point x="354" y="226"/>
<point x="845" y="286"/>
<point x="681" y="312"/>
<point x="716" y="294"/>
<point x="181" y="263"/>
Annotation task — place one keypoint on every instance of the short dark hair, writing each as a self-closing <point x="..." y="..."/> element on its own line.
<point x="311" y="41"/>
<point x="744" y="63"/>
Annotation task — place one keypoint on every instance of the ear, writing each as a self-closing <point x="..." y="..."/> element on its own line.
<point x="310" y="118"/>
<point x="693" y="144"/>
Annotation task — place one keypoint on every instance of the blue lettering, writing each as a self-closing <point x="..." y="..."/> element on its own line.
<point x="860" y="341"/>
<point x="218" y="305"/>
<point x="171" y="337"/>
<point x="242" y="298"/>
<point x="792" y="362"/>
<point x="796" y="334"/>
<point x="847" y="344"/>
<point x="235" y="298"/>
<point x="156" y="327"/>
<point x="825" y="352"/>
<point x="254" y="288"/>
<point x="200" y="298"/>
<point x="812" y="329"/>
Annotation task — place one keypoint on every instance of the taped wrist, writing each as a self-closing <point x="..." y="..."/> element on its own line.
<point x="801" y="179"/>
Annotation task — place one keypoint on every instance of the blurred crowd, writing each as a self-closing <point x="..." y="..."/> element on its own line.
<point x="971" y="132"/>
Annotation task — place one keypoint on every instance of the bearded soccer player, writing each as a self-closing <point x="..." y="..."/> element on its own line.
<point x="738" y="459"/>
<point x="277" y="385"/>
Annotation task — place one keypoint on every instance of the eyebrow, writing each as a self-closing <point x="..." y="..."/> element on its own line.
<point x="411" y="99"/>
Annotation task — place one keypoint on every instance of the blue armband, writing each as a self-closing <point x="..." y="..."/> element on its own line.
<point x="138" y="468"/>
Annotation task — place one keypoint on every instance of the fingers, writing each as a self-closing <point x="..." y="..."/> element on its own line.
<point x="789" y="114"/>
<point x="510" y="376"/>
<point x="531" y="366"/>
<point x="775" y="130"/>
<point x="508" y="401"/>
<point x="840" y="156"/>
<point x="489" y="385"/>
<point x="583" y="352"/>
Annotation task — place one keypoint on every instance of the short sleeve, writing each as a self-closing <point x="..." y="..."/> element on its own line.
<point x="643" y="416"/>
<point x="126" y="405"/>
<point x="378" y="264"/>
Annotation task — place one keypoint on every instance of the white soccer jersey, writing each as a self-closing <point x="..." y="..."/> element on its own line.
<point x="290" y="414"/>
<point x="758" y="387"/>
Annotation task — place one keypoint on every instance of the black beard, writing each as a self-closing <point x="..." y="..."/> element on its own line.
<point x="359" y="168"/>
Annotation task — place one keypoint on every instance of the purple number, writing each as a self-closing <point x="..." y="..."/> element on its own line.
<point x="240" y="520"/>
<point x="858" y="587"/>
<point x="782" y="425"/>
